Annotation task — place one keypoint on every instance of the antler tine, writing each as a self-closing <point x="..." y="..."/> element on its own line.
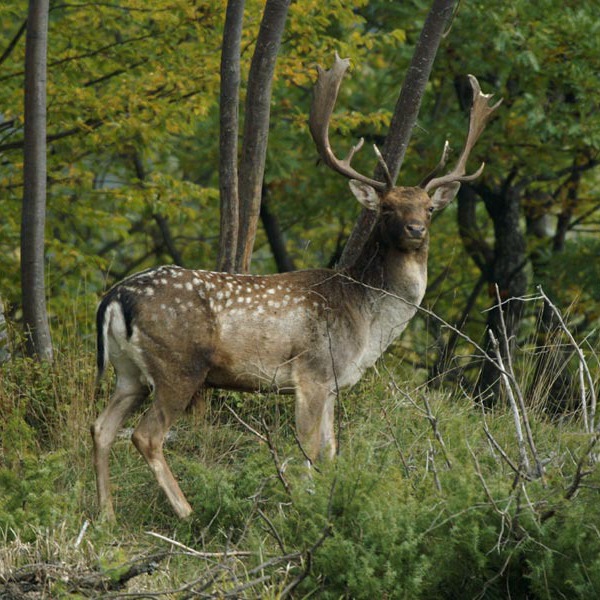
<point x="325" y="95"/>
<point x="441" y="164"/>
<point x="481" y="111"/>
<point x="386" y="171"/>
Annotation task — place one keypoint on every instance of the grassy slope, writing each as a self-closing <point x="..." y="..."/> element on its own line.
<point x="404" y="512"/>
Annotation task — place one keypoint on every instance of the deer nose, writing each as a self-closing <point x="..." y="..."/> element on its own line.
<point x="415" y="229"/>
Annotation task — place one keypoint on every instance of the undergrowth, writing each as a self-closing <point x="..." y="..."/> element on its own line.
<point x="427" y="498"/>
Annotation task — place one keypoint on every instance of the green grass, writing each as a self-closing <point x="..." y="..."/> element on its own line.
<point x="405" y="511"/>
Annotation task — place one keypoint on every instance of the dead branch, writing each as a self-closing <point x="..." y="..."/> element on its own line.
<point x="580" y="354"/>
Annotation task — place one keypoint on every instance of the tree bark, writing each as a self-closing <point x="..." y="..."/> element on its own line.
<point x="228" y="137"/>
<point x="35" y="315"/>
<point x="4" y="347"/>
<point x="404" y="117"/>
<point x="270" y="223"/>
<point x="256" y="127"/>
<point x="508" y="273"/>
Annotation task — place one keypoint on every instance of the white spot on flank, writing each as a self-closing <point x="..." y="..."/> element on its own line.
<point x="270" y="291"/>
<point x="149" y="291"/>
<point x="178" y="286"/>
<point x="196" y="281"/>
<point x="188" y="286"/>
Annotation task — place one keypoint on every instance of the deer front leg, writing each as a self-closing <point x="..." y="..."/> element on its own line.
<point x="314" y="419"/>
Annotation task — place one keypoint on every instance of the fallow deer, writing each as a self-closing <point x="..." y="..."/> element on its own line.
<point x="173" y="331"/>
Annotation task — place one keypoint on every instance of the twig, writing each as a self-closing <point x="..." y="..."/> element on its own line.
<point x="394" y="437"/>
<point x="197" y="553"/>
<point x="523" y="458"/>
<point x="431" y="461"/>
<point x="273" y="530"/>
<point x="259" y="435"/>
<point x="584" y="411"/>
<point x="517" y="388"/>
<point x="275" y="456"/>
<point x="582" y="361"/>
<point x="436" y="432"/>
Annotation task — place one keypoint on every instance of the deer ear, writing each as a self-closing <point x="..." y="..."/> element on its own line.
<point x="365" y="194"/>
<point x="444" y="194"/>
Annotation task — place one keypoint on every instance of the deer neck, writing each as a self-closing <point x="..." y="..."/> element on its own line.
<point x="392" y="272"/>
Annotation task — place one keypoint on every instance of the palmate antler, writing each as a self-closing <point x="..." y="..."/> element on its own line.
<point x="324" y="98"/>
<point x="481" y="112"/>
<point x="325" y="95"/>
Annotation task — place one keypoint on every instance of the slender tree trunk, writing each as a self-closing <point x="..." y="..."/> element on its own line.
<point x="508" y="273"/>
<point x="35" y="316"/>
<point x="270" y="223"/>
<point x="256" y="126"/>
<point x="228" y="141"/>
<point x="4" y="347"/>
<point x="405" y="115"/>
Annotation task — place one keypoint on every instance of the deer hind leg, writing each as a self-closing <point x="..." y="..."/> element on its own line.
<point x="128" y="395"/>
<point x="314" y="419"/>
<point x="148" y="437"/>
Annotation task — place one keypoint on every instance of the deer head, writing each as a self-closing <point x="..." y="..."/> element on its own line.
<point x="377" y="195"/>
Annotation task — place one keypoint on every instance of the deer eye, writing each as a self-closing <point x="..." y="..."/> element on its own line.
<point x="430" y="209"/>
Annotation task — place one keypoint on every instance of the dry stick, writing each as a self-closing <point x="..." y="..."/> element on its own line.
<point x="584" y="411"/>
<point x="578" y="477"/>
<point x="436" y="432"/>
<point x="430" y="417"/>
<point x="327" y="532"/>
<point x="251" y="429"/>
<point x="275" y="456"/>
<point x="309" y="461"/>
<point x="504" y="514"/>
<point x="396" y="442"/>
<point x="273" y="530"/>
<point x="503" y="454"/>
<point x="520" y="399"/>
<point x="524" y="459"/>
<point x="431" y="461"/>
<point x="197" y="553"/>
<point x="582" y="361"/>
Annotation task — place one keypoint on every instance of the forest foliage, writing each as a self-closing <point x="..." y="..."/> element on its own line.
<point x="421" y="502"/>
<point x="133" y="136"/>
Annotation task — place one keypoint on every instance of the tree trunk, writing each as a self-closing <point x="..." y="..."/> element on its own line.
<point x="35" y="316"/>
<point x="404" y="117"/>
<point x="4" y="347"/>
<point x="508" y="274"/>
<point x="282" y="258"/>
<point x="256" y="127"/>
<point x="228" y="139"/>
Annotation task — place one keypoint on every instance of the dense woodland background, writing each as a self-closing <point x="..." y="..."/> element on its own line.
<point x="133" y="152"/>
